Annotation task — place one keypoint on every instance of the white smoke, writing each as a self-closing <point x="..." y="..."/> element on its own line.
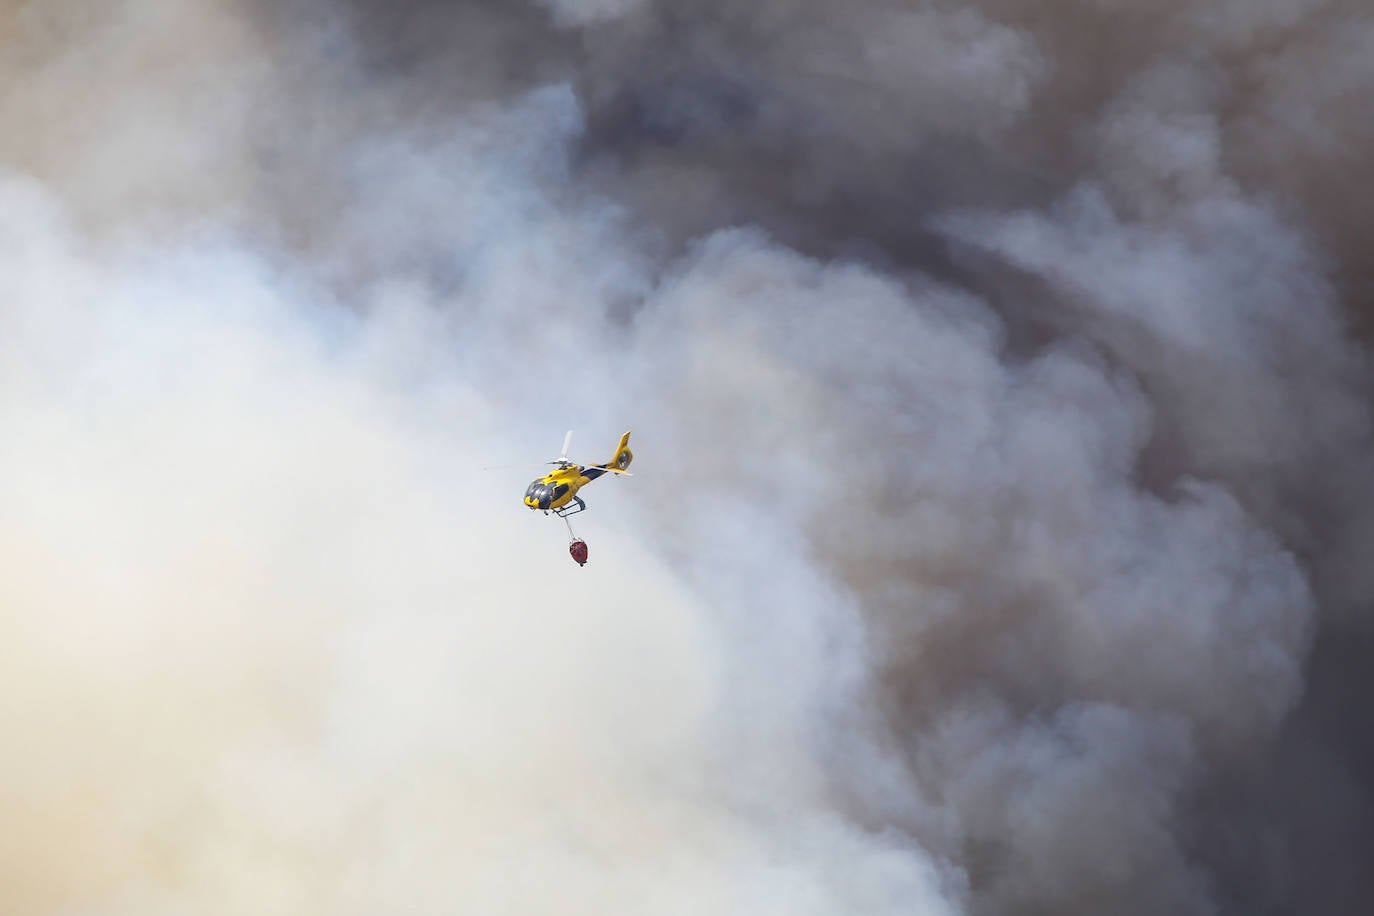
<point x="273" y="644"/>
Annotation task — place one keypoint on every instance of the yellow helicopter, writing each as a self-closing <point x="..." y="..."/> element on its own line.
<point x="556" y="491"/>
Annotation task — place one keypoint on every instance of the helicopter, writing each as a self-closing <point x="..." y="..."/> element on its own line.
<point x="556" y="491"/>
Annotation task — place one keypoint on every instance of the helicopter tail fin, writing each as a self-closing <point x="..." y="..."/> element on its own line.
<point x="623" y="456"/>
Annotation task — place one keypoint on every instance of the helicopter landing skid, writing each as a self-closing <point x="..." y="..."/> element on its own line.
<point x="569" y="510"/>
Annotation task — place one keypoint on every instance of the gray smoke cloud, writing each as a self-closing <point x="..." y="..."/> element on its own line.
<point x="1001" y="407"/>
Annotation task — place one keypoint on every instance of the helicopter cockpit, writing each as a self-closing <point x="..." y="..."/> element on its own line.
<point x="540" y="494"/>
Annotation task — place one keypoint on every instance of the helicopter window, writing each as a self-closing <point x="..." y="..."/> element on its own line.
<point x="559" y="490"/>
<point x="533" y="491"/>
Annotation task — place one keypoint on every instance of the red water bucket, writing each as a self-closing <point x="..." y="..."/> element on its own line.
<point x="578" y="551"/>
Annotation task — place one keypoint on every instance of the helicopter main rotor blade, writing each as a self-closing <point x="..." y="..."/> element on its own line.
<point x="567" y="441"/>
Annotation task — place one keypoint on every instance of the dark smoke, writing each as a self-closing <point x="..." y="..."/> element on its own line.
<point x="999" y="373"/>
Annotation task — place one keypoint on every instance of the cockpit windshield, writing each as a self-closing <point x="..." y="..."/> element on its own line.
<point x="542" y="495"/>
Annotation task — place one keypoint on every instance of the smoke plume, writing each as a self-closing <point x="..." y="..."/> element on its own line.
<point x="1000" y="388"/>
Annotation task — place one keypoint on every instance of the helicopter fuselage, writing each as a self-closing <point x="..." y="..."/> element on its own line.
<point x="557" y="489"/>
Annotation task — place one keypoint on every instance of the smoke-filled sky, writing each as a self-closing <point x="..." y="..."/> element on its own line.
<point x="1000" y="385"/>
